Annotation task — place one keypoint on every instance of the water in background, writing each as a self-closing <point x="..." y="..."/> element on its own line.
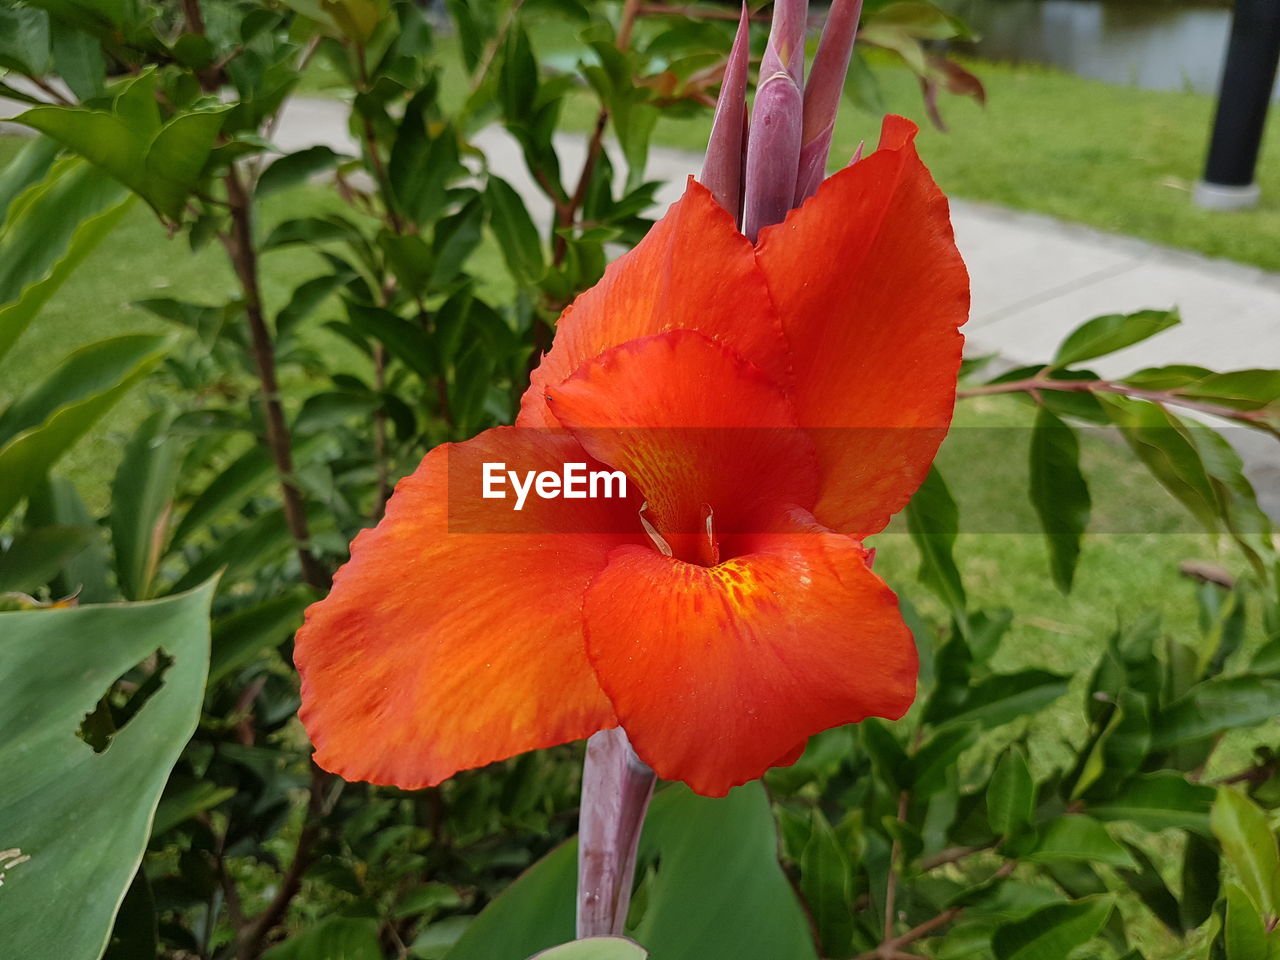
<point x="1160" y="46"/>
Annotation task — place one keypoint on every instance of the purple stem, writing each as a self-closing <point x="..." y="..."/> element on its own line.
<point x="722" y="170"/>
<point x="822" y="94"/>
<point x="616" y="787"/>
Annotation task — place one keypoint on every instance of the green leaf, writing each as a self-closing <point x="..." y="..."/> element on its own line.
<point x="1201" y="872"/>
<point x="1053" y="932"/>
<point x="718" y="889"/>
<point x="334" y="938"/>
<point x="826" y="880"/>
<point x="83" y="817"/>
<point x="1076" y="837"/>
<point x="232" y="485"/>
<point x="24" y="40"/>
<point x="141" y="499"/>
<point x="595" y="948"/>
<point x="296" y="168"/>
<point x="37" y="555"/>
<point x="160" y="163"/>
<point x="933" y="521"/>
<point x="1103" y="335"/>
<point x="1011" y="794"/>
<point x="1003" y="697"/>
<point x="1159" y="801"/>
<point x="1216" y="706"/>
<point x="1059" y="493"/>
<point x="56" y="503"/>
<point x="517" y="236"/>
<point x="28" y="167"/>
<point x="1150" y="887"/>
<point x="43" y="424"/>
<point x="51" y="227"/>
<point x="1249" y="846"/>
<point x="1244" y="933"/>
<point x="183" y="800"/>
<point x="239" y="637"/>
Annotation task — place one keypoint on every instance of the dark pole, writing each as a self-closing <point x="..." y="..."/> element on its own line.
<point x="1248" y="78"/>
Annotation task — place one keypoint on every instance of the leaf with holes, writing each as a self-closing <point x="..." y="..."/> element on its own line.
<point x="74" y="820"/>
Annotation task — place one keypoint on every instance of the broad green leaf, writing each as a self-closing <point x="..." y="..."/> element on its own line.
<point x="1003" y="697"/>
<point x="1052" y="932"/>
<point x="24" y="40"/>
<point x="162" y="164"/>
<point x="50" y="228"/>
<point x="232" y="486"/>
<point x="296" y="168"/>
<point x="1159" y="801"/>
<point x="718" y="889"/>
<point x="1249" y="846"/>
<point x="333" y="938"/>
<point x="78" y="59"/>
<point x="29" y="167"/>
<point x="183" y="799"/>
<point x="239" y="637"/>
<point x="1244" y="931"/>
<point x="42" y="425"/>
<point x="933" y="521"/>
<point x="404" y="340"/>
<point x="56" y="503"/>
<point x="37" y="554"/>
<point x="421" y="166"/>
<point x="595" y="948"/>
<point x="826" y="880"/>
<point x="1059" y="493"/>
<point x="1216" y="706"/>
<point x="517" y="236"/>
<point x="1201" y="875"/>
<point x="1011" y="794"/>
<point x="1076" y="837"/>
<point x="141" y="500"/>
<point x="1150" y="887"/>
<point x="1164" y="447"/>
<point x="1103" y="335"/>
<point x="1242" y="389"/>
<point x="81" y="818"/>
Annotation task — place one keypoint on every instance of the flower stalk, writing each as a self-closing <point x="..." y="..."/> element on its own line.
<point x="616" y="788"/>
<point x="762" y="170"/>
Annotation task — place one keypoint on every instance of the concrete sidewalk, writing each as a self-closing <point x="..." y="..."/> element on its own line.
<point x="1034" y="278"/>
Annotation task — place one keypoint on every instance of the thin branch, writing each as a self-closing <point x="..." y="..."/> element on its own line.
<point x="250" y="943"/>
<point x="891" y="884"/>
<point x="51" y="90"/>
<point x="1032" y="385"/>
<point x="244" y="258"/>
<point x="695" y="13"/>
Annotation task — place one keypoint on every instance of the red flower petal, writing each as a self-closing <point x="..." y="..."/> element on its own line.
<point x="443" y="647"/>
<point x="717" y="673"/>
<point x="871" y="291"/>
<point x="692" y="271"/>
<point x="697" y="428"/>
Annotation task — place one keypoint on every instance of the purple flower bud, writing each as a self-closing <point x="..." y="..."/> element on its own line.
<point x="786" y="40"/>
<point x="722" y="169"/>
<point x="822" y="94"/>
<point x="773" y="153"/>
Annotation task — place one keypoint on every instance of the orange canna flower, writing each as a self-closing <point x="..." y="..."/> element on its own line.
<point x="770" y="405"/>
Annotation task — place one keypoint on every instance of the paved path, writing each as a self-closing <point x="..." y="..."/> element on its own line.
<point x="1033" y="278"/>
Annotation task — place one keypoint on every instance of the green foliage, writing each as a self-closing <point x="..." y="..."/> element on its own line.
<point x="94" y="796"/>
